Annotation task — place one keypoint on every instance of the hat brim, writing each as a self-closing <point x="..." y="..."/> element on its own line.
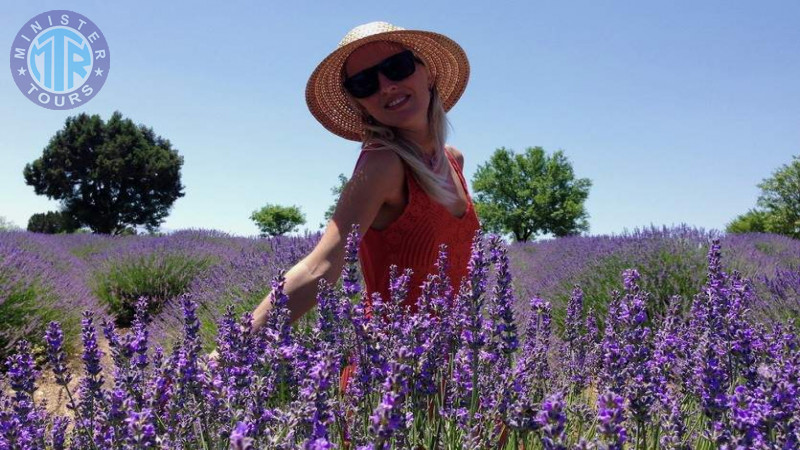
<point x="328" y="101"/>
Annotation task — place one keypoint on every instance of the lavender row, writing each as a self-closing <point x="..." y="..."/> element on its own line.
<point x="460" y="373"/>
<point x="671" y="261"/>
<point x="43" y="277"/>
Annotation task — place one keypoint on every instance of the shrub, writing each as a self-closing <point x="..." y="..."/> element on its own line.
<point x="157" y="275"/>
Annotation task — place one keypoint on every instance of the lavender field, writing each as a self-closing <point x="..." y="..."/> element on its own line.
<point x="661" y="338"/>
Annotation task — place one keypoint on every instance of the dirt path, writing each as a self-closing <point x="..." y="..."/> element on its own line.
<point x="55" y="396"/>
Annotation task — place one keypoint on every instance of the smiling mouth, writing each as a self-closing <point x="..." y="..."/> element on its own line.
<point x="396" y="103"/>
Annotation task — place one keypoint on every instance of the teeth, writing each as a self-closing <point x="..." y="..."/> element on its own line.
<point x="395" y="102"/>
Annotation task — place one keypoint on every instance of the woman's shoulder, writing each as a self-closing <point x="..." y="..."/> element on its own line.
<point x="375" y="160"/>
<point x="457" y="155"/>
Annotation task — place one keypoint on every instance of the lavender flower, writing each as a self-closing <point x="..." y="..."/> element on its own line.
<point x="55" y="353"/>
<point x="530" y="375"/>
<point x="610" y="418"/>
<point x="22" y="376"/>
<point x="552" y="420"/>
<point x="672" y="424"/>
<point x="58" y="433"/>
<point x="141" y="429"/>
<point x="350" y="280"/>
<point x="239" y="438"/>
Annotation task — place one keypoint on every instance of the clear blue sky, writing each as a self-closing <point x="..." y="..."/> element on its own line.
<point x="675" y="110"/>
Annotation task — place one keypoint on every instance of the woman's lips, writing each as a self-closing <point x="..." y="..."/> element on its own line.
<point x="402" y="102"/>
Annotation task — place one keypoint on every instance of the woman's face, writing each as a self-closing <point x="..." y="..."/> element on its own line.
<point x="412" y="113"/>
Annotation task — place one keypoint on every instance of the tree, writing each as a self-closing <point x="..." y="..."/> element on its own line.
<point x="336" y="191"/>
<point x="109" y="176"/>
<point x="52" y="222"/>
<point x="780" y="197"/>
<point x="276" y="220"/>
<point x="530" y="193"/>
<point x="778" y="206"/>
<point x="7" y="225"/>
<point x="753" y="221"/>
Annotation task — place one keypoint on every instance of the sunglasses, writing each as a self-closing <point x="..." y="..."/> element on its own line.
<point x="397" y="67"/>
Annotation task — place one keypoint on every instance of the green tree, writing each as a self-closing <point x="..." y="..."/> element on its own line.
<point x="336" y="191"/>
<point x="753" y="221"/>
<point x="109" y="176"/>
<point x="780" y="198"/>
<point x="530" y="193"/>
<point x="276" y="220"/>
<point x="778" y="206"/>
<point x="52" y="222"/>
<point x="7" y="225"/>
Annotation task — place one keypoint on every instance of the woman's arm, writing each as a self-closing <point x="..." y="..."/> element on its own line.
<point x="378" y="175"/>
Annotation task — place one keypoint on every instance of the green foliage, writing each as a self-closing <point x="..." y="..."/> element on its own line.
<point x="530" y="193"/>
<point x="780" y="196"/>
<point x="159" y="276"/>
<point x="52" y="222"/>
<point x="336" y="191"/>
<point x="753" y="221"/>
<point x="277" y="220"/>
<point x="778" y="205"/>
<point x="7" y="225"/>
<point x="24" y="302"/>
<point x="676" y="270"/>
<point x="110" y="175"/>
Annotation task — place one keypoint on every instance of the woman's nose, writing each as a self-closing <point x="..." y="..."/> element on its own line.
<point x="386" y="85"/>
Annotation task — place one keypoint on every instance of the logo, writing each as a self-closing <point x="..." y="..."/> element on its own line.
<point x="60" y="59"/>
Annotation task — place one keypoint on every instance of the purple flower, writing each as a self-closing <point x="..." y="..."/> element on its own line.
<point x="141" y="429"/>
<point x="503" y="325"/>
<point x="388" y="420"/>
<point x="350" y="280"/>
<point x="239" y="437"/>
<point x="610" y="418"/>
<point x="58" y="433"/>
<point x="22" y="376"/>
<point x="552" y="420"/>
<point x="55" y="353"/>
<point x="672" y="423"/>
<point x="751" y="417"/>
<point x="530" y="375"/>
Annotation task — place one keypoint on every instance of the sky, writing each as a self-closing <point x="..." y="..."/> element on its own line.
<point x="674" y="110"/>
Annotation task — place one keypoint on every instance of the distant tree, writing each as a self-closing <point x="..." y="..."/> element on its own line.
<point x="276" y="220"/>
<point x="336" y="191"/>
<point x="7" y="225"/>
<point x="780" y="197"/>
<point x="109" y="176"/>
<point x="531" y="193"/>
<point x="778" y="206"/>
<point x="753" y="221"/>
<point x="52" y="222"/>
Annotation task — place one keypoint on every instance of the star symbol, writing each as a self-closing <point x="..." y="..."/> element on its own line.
<point x="98" y="72"/>
<point x="21" y="71"/>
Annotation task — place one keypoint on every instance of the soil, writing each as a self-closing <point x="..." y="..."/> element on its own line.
<point x="55" y="396"/>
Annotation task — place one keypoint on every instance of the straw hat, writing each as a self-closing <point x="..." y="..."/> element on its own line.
<point x="327" y="98"/>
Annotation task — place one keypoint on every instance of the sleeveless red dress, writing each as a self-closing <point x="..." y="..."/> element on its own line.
<point x="412" y="241"/>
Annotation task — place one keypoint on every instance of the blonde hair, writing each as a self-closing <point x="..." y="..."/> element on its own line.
<point x="434" y="181"/>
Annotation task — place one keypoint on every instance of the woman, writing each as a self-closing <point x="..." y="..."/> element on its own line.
<point x="389" y="89"/>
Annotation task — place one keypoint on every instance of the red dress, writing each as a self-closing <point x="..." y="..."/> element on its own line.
<point x="412" y="241"/>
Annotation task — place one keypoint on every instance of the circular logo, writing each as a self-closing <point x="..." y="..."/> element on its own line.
<point x="60" y="59"/>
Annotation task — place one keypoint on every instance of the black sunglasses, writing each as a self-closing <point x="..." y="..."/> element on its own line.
<point x="397" y="67"/>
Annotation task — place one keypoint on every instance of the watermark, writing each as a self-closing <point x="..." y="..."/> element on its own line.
<point x="60" y="59"/>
